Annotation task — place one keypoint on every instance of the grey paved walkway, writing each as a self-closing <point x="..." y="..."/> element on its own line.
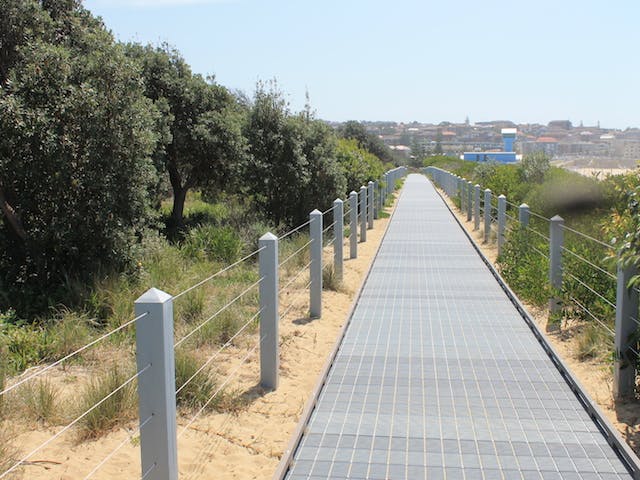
<point x="439" y="376"/>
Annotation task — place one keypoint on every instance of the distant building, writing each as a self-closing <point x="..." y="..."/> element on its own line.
<point x="561" y="124"/>
<point x="506" y="156"/>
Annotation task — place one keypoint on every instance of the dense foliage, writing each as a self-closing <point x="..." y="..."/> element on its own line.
<point x="76" y="138"/>
<point x="97" y="138"/>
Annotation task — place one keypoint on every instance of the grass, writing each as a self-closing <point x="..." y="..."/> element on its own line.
<point x="593" y="343"/>
<point x="116" y="410"/>
<point x="201" y="387"/>
<point x="39" y="401"/>
<point x="330" y="280"/>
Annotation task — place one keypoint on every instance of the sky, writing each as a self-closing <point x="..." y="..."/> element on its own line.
<point x="409" y="60"/>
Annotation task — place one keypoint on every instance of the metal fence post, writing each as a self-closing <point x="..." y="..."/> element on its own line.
<point x="370" y="199"/>
<point x="269" y="318"/>
<point x="157" y="385"/>
<point x="353" y="225"/>
<point x="624" y="375"/>
<point x="476" y="207"/>
<point x="469" y="201"/>
<point x="363" y="213"/>
<point x="338" y="231"/>
<point x="502" y="221"/>
<point x="487" y="214"/>
<point x="376" y="197"/>
<point x="463" y="194"/>
<point x="523" y="215"/>
<point x="556" y="239"/>
<point x="315" y="291"/>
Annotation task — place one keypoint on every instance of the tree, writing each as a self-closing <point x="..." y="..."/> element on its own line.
<point x="293" y="168"/>
<point x="77" y="134"/>
<point x="203" y="143"/>
<point x="534" y="167"/>
<point x="358" y="165"/>
<point x="368" y="141"/>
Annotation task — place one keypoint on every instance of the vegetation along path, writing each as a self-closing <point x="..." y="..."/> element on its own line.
<point x="439" y="376"/>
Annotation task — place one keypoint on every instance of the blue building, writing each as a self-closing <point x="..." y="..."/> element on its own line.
<point x="506" y="156"/>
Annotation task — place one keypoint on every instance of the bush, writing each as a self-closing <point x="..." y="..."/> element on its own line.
<point x="213" y="243"/>
<point x="39" y="400"/>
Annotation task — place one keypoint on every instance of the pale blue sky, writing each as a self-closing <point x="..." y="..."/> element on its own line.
<point x="527" y="61"/>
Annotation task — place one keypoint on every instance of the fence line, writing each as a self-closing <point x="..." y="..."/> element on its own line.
<point x="155" y="312"/>
<point x="627" y="298"/>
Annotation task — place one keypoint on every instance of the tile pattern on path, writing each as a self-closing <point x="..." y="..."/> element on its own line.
<point x="439" y="377"/>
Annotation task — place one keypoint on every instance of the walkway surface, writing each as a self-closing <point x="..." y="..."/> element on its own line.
<point x="438" y="376"/>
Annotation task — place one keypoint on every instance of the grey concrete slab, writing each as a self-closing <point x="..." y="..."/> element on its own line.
<point x="438" y="376"/>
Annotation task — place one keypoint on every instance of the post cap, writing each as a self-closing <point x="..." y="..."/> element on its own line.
<point x="316" y="212"/>
<point x="487" y="190"/>
<point x="363" y="187"/>
<point x="524" y="205"/>
<point x="153" y="295"/>
<point x="502" y="196"/>
<point x="338" y="200"/>
<point x="268" y="237"/>
<point x="557" y="218"/>
<point x="353" y="192"/>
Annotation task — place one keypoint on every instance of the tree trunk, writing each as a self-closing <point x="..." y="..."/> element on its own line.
<point x="15" y="224"/>
<point x="179" y="194"/>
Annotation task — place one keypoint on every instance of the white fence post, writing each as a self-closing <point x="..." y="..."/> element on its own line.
<point x="469" y="201"/>
<point x="523" y="215"/>
<point x="353" y="225"/>
<point x="476" y="207"/>
<point x="556" y="239"/>
<point x="269" y="317"/>
<point x="315" y="291"/>
<point x="338" y="231"/>
<point x="157" y="385"/>
<point x="624" y="374"/>
<point x="363" y="213"/>
<point x="370" y="202"/>
<point x="487" y="215"/>
<point x="502" y="221"/>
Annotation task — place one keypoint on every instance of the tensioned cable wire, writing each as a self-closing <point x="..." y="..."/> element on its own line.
<point x="539" y="252"/>
<point x="512" y="204"/>
<point x="227" y="380"/>
<point x="588" y="237"/>
<point x="328" y="228"/>
<point x="68" y="426"/>
<point x="217" y="353"/>
<point x="218" y="273"/>
<point x="117" y="449"/>
<point x="602" y="324"/>
<point x="331" y="242"/>
<point x="297" y="275"/>
<point x="151" y="469"/>
<point x="531" y="212"/>
<point x="544" y="237"/>
<point x="291" y="232"/>
<point x="510" y="217"/>
<point x="238" y="297"/>
<point x="66" y="357"/>
<point x="602" y="297"/>
<point x="580" y="257"/>
<point x="295" y="253"/>
<point x="295" y="301"/>
<point x="329" y="210"/>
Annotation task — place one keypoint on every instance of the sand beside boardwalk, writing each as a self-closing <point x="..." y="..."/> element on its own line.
<point x="247" y="444"/>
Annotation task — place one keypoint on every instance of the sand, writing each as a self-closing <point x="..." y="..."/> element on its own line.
<point x="595" y="376"/>
<point x="245" y="444"/>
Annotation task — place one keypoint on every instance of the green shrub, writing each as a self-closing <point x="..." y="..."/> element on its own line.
<point x="213" y="243"/>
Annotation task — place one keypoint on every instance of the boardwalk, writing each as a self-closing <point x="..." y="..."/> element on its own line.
<point x="438" y="376"/>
